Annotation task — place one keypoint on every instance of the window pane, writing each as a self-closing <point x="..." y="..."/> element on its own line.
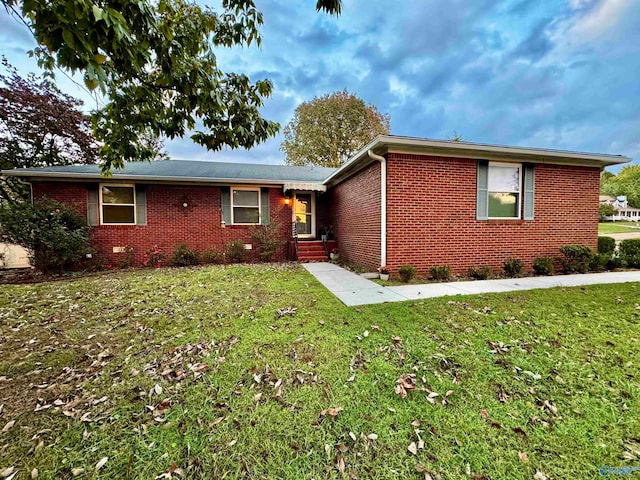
<point x="246" y="215"/>
<point x="503" y="205"/>
<point x="504" y="179"/>
<point x="245" y="198"/>
<point x="117" y="195"/>
<point x="117" y="214"/>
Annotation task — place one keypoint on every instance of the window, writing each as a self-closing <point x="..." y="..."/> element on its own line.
<point x="118" y="204"/>
<point x="503" y="189"/>
<point x="245" y="206"/>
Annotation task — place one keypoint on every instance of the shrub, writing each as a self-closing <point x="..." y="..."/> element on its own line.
<point x="268" y="239"/>
<point x="183" y="256"/>
<point x="513" y="267"/>
<point x="606" y="245"/>
<point x="235" y="251"/>
<point x="440" y="272"/>
<point x="154" y="257"/>
<point x="599" y="262"/>
<point x="211" y="256"/>
<point x="56" y="236"/>
<point x="576" y="258"/>
<point x="543" y="266"/>
<point x="630" y="252"/>
<point x="480" y="273"/>
<point x="126" y="260"/>
<point x="614" y="262"/>
<point x="407" y="272"/>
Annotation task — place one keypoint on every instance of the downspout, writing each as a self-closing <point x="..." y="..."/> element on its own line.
<point x="383" y="205"/>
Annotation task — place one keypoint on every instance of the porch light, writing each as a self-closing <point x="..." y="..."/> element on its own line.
<point x="287" y="200"/>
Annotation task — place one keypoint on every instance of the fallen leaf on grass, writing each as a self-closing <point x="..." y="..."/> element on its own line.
<point x="77" y="471"/>
<point x="404" y="383"/>
<point x="333" y="412"/>
<point x="523" y="457"/>
<point x="372" y="436"/>
<point x="101" y="463"/>
<point x="34" y="473"/>
<point x="413" y="448"/>
<point x="540" y="476"/>
<point x="6" y="472"/>
<point x="422" y="469"/>
<point x="8" y="426"/>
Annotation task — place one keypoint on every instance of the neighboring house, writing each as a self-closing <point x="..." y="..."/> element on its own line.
<point x="624" y="211"/>
<point x="399" y="201"/>
<point x="13" y="256"/>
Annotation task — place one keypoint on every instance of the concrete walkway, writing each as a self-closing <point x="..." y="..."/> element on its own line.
<point x="352" y="289"/>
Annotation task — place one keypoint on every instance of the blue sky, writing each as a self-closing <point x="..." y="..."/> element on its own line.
<point x="553" y="74"/>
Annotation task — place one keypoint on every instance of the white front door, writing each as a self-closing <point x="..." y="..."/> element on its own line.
<point x="304" y="213"/>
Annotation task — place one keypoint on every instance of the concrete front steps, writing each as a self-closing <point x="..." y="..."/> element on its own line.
<point x="313" y="250"/>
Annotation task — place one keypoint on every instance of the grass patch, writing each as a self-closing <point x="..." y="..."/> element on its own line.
<point x="230" y="373"/>
<point x="617" y="227"/>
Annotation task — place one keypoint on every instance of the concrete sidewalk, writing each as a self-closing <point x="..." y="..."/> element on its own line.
<point x="352" y="289"/>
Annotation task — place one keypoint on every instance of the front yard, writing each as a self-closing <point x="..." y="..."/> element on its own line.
<point x="258" y="372"/>
<point x="605" y="228"/>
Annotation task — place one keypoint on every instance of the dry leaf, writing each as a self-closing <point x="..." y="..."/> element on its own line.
<point x="4" y="473"/>
<point x="415" y="423"/>
<point x="34" y="473"/>
<point x="77" y="471"/>
<point x="333" y="412"/>
<point x="101" y="463"/>
<point x="372" y="436"/>
<point x="523" y="457"/>
<point x="484" y="413"/>
<point x="413" y="448"/>
<point x="540" y="476"/>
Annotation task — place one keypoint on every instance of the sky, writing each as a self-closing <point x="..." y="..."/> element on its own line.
<point x="561" y="74"/>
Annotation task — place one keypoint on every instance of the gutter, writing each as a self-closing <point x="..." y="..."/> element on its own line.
<point x="383" y="204"/>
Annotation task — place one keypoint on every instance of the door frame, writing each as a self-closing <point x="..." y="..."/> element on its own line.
<point x="313" y="213"/>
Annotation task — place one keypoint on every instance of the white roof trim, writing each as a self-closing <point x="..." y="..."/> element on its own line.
<point x="314" y="187"/>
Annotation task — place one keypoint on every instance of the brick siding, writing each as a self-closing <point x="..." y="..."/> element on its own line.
<point x="168" y="222"/>
<point x="431" y="212"/>
<point x="355" y="208"/>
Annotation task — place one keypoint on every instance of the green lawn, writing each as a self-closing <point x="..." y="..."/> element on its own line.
<point x="618" y="227"/>
<point x="196" y="372"/>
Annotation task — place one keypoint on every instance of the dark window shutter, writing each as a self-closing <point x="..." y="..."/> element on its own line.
<point x="141" y="204"/>
<point x="529" y="190"/>
<point x="264" y="206"/>
<point x="93" y="205"/>
<point x="482" y="201"/>
<point x="225" y="200"/>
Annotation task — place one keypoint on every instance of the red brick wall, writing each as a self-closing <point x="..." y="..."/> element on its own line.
<point x="355" y="208"/>
<point x="431" y="215"/>
<point x="168" y="222"/>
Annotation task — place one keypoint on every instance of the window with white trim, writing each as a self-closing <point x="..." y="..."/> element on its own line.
<point x="117" y="204"/>
<point x="504" y="185"/>
<point x="245" y="206"/>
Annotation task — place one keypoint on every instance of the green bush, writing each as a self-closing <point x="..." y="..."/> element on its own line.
<point x="575" y="258"/>
<point x="606" y="245"/>
<point x="600" y="262"/>
<point x="236" y="252"/>
<point x="513" y="267"/>
<point x="480" y="273"/>
<point x="56" y="236"/>
<point x="407" y="272"/>
<point x="615" y="262"/>
<point x="440" y="272"/>
<point x="211" y="256"/>
<point x="543" y="266"/>
<point x="630" y="252"/>
<point x="183" y="256"/>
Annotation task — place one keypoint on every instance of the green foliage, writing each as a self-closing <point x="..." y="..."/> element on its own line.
<point x="327" y="130"/>
<point x="606" y="244"/>
<point x="211" y="256"/>
<point x="605" y="210"/>
<point x="157" y="64"/>
<point x="480" y="273"/>
<point x="543" y="266"/>
<point x="513" y="267"/>
<point x="407" y="272"/>
<point x="40" y="126"/>
<point x="576" y="258"/>
<point x="183" y="256"/>
<point x="630" y="252"/>
<point x="268" y="239"/>
<point x="236" y="252"/>
<point x="626" y="182"/>
<point x="440" y="272"/>
<point x="154" y="257"/>
<point x="56" y="236"/>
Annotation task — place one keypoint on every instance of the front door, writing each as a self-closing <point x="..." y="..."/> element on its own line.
<point x="304" y="214"/>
